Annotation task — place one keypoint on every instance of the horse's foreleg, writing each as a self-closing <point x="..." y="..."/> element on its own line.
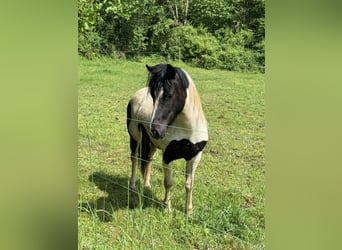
<point x="147" y="167"/>
<point x="147" y="173"/>
<point x="167" y="184"/>
<point x="191" y="167"/>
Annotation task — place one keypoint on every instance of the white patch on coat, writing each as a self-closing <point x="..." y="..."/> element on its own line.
<point x="155" y="106"/>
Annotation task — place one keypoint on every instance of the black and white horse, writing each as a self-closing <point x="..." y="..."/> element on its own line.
<point x="167" y="114"/>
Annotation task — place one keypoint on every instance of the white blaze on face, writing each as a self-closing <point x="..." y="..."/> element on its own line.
<point x="155" y="105"/>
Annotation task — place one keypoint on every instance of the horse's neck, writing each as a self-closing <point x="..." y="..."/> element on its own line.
<point x="192" y="117"/>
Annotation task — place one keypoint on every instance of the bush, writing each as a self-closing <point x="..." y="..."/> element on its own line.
<point x="196" y="46"/>
<point x="134" y="29"/>
<point x="89" y="44"/>
<point x="236" y="54"/>
<point x="226" y="50"/>
<point x="238" y="59"/>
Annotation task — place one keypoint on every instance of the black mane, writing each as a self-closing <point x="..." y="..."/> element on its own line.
<point x="165" y="75"/>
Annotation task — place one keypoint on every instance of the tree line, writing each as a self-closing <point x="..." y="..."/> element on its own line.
<point x="225" y="34"/>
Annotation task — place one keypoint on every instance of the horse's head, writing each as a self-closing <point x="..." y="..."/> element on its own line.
<point x="167" y="85"/>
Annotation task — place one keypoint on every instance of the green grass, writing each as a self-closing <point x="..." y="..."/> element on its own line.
<point x="229" y="193"/>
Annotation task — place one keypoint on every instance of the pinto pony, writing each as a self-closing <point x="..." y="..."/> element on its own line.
<point x="167" y="114"/>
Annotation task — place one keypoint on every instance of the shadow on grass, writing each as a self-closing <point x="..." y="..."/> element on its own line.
<point x="118" y="196"/>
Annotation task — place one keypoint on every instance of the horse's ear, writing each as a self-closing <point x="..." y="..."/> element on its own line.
<point x="149" y="68"/>
<point x="171" y="71"/>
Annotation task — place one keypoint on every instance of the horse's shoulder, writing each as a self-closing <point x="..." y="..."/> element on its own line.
<point x="139" y="94"/>
<point x="141" y="104"/>
<point x="141" y="97"/>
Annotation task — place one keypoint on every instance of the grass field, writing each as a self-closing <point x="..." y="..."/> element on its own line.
<point x="229" y="192"/>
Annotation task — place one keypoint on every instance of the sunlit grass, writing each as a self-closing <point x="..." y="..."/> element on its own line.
<point x="229" y="183"/>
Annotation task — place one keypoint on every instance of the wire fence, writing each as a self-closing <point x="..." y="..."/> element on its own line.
<point x="169" y="126"/>
<point x="244" y="139"/>
<point x="160" y="167"/>
<point x="204" y="223"/>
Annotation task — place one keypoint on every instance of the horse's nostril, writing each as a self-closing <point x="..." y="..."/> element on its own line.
<point x="155" y="133"/>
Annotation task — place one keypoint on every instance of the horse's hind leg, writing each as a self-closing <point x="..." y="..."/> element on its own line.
<point x="191" y="167"/>
<point x="134" y="159"/>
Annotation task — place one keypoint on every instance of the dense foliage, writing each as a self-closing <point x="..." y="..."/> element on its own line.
<point x="226" y="34"/>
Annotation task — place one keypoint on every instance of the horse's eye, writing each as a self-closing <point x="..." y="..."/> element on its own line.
<point x="167" y="97"/>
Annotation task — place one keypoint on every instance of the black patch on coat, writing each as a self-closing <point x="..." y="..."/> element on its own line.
<point x="182" y="149"/>
<point x="145" y="143"/>
<point x="133" y="145"/>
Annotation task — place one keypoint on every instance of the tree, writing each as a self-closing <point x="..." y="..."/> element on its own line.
<point x="222" y="33"/>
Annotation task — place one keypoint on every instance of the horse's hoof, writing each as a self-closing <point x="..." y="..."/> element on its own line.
<point x="167" y="205"/>
<point x="188" y="212"/>
<point x="168" y="210"/>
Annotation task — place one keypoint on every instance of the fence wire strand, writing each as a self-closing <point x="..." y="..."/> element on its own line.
<point x="181" y="173"/>
<point x="205" y="224"/>
<point x="235" y="138"/>
<point x="169" y="126"/>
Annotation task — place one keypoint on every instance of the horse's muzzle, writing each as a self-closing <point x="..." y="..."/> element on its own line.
<point x="155" y="133"/>
<point x="158" y="131"/>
